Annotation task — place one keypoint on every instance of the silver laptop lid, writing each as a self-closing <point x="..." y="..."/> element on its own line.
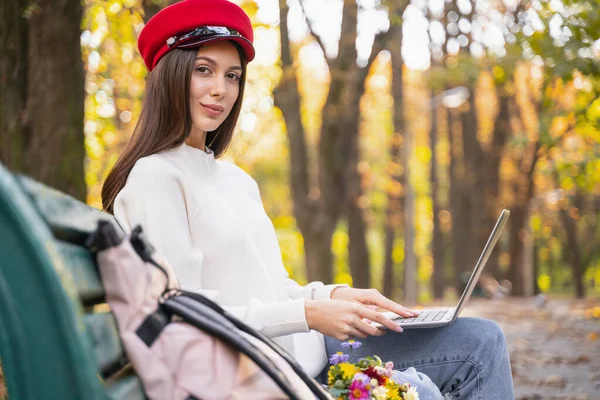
<point x="483" y="258"/>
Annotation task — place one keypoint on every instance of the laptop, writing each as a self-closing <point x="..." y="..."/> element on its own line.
<point x="437" y="317"/>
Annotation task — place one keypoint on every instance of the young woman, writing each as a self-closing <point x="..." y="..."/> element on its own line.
<point x="206" y="217"/>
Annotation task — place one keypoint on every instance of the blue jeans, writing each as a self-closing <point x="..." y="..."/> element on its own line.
<point x="467" y="359"/>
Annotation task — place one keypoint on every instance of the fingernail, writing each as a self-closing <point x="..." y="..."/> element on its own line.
<point x="399" y="328"/>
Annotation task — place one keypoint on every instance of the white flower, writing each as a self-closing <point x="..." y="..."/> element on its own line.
<point x="373" y="382"/>
<point x="380" y="393"/>
<point x="411" y="394"/>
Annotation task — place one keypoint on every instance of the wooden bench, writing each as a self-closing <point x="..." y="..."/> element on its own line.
<point x="58" y="339"/>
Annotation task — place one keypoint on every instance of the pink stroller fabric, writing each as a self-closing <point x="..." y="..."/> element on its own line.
<point x="183" y="362"/>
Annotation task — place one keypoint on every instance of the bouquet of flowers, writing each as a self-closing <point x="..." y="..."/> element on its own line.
<point x="368" y="379"/>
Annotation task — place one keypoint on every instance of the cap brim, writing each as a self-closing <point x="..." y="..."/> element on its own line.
<point x="244" y="43"/>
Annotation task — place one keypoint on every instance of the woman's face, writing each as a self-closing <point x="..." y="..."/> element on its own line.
<point x="215" y="85"/>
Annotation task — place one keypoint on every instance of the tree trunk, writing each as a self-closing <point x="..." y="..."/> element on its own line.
<point x="518" y="220"/>
<point x="437" y="242"/>
<point x="13" y="84"/>
<point x="395" y="192"/>
<point x="523" y="189"/>
<point x="459" y="203"/>
<point x="572" y="246"/>
<point x="388" y="267"/>
<point x="536" y="267"/>
<point x="55" y="97"/>
<point x="151" y="7"/>
<point x="42" y="107"/>
<point x="317" y="209"/>
<point x="491" y="175"/>
<point x="473" y="183"/>
<point x="318" y="255"/>
<point x="410" y="259"/>
<point x="315" y="226"/>
<point x="358" y="250"/>
<point x="403" y="155"/>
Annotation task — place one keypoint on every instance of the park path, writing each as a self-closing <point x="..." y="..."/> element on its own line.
<point x="554" y="345"/>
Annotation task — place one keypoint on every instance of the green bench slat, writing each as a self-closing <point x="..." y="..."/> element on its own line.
<point x="102" y="331"/>
<point x="68" y="218"/>
<point x="46" y="272"/>
<point x="128" y="388"/>
<point x="82" y="266"/>
<point x="43" y="343"/>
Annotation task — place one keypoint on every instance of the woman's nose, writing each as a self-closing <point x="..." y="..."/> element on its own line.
<point x="219" y="87"/>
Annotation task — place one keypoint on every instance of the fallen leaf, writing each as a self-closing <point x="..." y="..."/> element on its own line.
<point x="555" y="381"/>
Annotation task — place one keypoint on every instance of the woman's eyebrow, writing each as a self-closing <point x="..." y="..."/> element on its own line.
<point x="213" y="62"/>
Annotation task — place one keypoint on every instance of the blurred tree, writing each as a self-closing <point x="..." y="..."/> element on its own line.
<point x="575" y="171"/>
<point x="438" y="283"/>
<point x="400" y="196"/>
<point x="581" y="237"/>
<point x="42" y="86"/>
<point x="151" y="7"/>
<point x="115" y="82"/>
<point x="397" y="181"/>
<point x="561" y="39"/>
<point x="318" y="207"/>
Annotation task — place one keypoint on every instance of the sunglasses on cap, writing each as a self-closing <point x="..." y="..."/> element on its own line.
<point x="203" y="34"/>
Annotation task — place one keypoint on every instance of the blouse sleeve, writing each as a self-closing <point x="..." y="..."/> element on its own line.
<point x="312" y="291"/>
<point x="156" y="199"/>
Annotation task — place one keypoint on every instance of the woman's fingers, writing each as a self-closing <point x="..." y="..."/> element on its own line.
<point x="398" y="309"/>
<point x="353" y="332"/>
<point x="367" y="328"/>
<point x="380" y="318"/>
<point x="377" y="299"/>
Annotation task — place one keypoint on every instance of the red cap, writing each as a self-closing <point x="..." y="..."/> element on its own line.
<point x="168" y="28"/>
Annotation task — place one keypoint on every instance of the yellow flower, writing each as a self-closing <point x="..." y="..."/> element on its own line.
<point x="393" y="390"/>
<point x="348" y="370"/>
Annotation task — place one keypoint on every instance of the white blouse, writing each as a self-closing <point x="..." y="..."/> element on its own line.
<point x="206" y="217"/>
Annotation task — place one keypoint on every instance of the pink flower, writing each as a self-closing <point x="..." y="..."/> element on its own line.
<point x="359" y="389"/>
<point x="384" y="371"/>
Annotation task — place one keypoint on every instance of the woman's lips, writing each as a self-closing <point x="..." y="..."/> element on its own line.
<point x="213" y="110"/>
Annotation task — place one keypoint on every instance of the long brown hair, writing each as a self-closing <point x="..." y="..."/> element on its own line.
<point x="165" y="120"/>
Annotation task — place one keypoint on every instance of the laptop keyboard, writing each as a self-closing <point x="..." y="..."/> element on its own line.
<point x="425" y="316"/>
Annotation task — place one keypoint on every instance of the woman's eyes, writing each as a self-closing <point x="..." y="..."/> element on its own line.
<point x="202" y="69"/>
<point x="205" y="70"/>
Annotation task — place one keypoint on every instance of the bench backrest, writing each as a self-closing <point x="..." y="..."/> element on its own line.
<point x="57" y="338"/>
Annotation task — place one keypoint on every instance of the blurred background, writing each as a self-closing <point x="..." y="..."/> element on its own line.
<point x="385" y="136"/>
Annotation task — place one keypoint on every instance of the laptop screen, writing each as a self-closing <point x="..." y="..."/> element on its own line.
<point x="483" y="258"/>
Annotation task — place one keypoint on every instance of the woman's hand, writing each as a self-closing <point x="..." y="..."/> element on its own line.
<point x="371" y="298"/>
<point x="344" y="319"/>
